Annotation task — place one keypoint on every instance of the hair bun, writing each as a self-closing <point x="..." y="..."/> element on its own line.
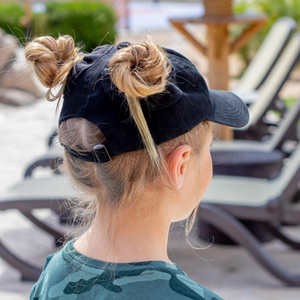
<point x="52" y="60"/>
<point x="140" y="70"/>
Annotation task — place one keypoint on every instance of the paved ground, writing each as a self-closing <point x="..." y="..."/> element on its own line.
<point x="150" y="15"/>
<point x="229" y="271"/>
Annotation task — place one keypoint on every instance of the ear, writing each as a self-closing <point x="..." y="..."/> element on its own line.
<point x="177" y="162"/>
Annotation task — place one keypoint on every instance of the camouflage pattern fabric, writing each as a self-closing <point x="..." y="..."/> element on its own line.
<point x="69" y="275"/>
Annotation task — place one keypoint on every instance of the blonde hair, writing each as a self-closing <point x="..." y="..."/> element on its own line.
<point x="138" y="71"/>
<point x="52" y="60"/>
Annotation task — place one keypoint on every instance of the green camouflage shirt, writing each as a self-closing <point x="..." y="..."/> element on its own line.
<point x="69" y="275"/>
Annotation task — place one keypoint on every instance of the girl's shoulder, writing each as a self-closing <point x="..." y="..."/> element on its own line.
<point x="68" y="274"/>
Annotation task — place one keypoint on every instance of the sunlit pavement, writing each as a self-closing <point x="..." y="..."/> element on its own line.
<point x="229" y="271"/>
<point x="151" y="15"/>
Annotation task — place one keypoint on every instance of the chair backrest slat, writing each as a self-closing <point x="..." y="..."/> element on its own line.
<point x="267" y="54"/>
<point x="287" y="182"/>
<point x="276" y="80"/>
<point x="288" y="123"/>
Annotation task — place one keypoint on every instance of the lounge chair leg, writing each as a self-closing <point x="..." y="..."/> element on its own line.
<point x="237" y="232"/>
<point x="58" y="236"/>
<point x="29" y="273"/>
<point x="276" y="231"/>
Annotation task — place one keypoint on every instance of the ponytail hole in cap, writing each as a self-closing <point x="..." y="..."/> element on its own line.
<point x="123" y="45"/>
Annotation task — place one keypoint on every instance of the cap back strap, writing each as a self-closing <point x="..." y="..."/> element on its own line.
<point x="99" y="154"/>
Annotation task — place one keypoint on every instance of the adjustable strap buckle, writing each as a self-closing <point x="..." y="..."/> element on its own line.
<point x="102" y="154"/>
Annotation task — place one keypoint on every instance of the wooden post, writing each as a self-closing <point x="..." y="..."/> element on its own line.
<point x="26" y="19"/>
<point x="218" y="7"/>
<point x="218" y="52"/>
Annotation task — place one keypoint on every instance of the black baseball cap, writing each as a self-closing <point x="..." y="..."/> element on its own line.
<point x="185" y="103"/>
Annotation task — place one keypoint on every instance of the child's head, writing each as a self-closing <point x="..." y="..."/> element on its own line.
<point x="133" y="115"/>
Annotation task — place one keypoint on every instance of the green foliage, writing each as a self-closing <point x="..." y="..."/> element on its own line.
<point x="274" y="9"/>
<point x="10" y="19"/>
<point x="289" y="102"/>
<point x="92" y="23"/>
<point x="89" y="23"/>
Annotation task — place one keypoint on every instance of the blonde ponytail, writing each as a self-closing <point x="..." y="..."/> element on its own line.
<point x="138" y="116"/>
<point x="52" y="60"/>
<point x="140" y="71"/>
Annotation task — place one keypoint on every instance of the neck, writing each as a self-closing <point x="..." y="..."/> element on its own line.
<point x="131" y="236"/>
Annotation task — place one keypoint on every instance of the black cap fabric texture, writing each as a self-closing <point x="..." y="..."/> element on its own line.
<point x="184" y="104"/>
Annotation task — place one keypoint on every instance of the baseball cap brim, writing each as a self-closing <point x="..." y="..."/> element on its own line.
<point x="228" y="109"/>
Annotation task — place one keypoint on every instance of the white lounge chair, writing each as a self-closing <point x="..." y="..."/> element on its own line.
<point x="230" y="199"/>
<point x="257" y="128"/>
<point x="265" y="59"/>
<point x="257" y="158"/>
<point x="29" y="195"/>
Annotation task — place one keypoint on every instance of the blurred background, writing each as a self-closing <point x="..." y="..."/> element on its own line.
<point x="222" y="38"/>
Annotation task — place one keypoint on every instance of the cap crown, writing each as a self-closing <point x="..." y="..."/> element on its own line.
<point x="91" y="94"/>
